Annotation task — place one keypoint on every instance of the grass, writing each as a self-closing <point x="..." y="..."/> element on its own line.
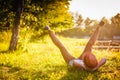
<point x="42" y="60"/>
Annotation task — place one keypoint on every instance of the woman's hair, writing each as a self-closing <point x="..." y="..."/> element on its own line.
<point x="90" y="61"/>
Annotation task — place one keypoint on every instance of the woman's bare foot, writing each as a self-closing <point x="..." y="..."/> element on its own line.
<point x="47" y="27"/>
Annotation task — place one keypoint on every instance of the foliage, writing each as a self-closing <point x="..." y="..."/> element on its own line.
<point x="116" y="22"/>
<point x="90" y="26"/>
<point x="38" y="13"/>
<point x="86" y="27"/>
<point x="78" y="20"/>
<point x="73" y="33"/>
<point x="4" y="40"/>
<point x="111" y="29"/>
<point x="6" y="14"/>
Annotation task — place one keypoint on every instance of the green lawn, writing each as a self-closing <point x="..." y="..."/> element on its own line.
<point x="42" y="60"/>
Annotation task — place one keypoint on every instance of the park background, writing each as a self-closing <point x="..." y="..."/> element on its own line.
<point x="27" y="53"/>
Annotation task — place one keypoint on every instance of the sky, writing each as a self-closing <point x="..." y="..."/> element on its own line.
<point x="95" y="9"/>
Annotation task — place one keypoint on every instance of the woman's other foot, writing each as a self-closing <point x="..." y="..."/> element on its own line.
<point x="47" y="27"/>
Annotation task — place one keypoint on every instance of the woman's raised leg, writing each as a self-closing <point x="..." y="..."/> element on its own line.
<point x="88" y="48"/>
<point x="66" y="55"/>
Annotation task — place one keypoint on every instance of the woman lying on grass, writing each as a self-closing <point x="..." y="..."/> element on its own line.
<point x="86" y="61"/>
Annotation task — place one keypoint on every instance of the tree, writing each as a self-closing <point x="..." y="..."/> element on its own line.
<point x="116" y="22"/>
<point x="15" y="30"/>
<point x="89" y="25"/>
<point x="36" y="15"/>
<point x="107" y="32"/>
<point x="39" y="13"/>
<point x="77" y="20"/>
<point x="6" y="14"/>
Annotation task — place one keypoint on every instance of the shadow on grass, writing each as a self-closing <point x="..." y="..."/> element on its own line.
<point x="75" y="74"/>
<point x="5" y="51"/>
<point x="100" y="74"/>
<point x="17" y="73"/>
<point x="6" y="72"/>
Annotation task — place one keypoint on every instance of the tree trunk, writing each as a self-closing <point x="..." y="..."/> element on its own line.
<point x="16" y="27"/>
